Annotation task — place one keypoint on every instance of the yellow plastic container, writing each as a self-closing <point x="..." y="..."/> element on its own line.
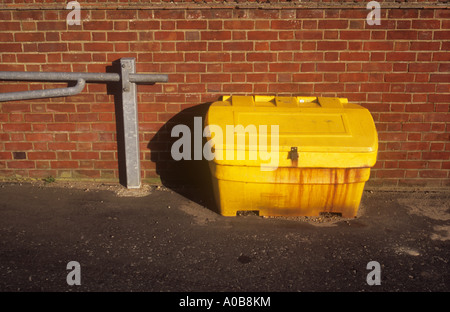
<point x="289" y="156"/>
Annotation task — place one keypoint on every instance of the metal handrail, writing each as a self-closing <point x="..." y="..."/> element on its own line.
<point x="36" y="94"/>
<point x="128" y="79"/>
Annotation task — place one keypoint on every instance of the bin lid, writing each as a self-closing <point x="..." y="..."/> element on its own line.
<point x="324" y="131"/>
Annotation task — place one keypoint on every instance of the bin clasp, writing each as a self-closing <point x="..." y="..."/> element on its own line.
<point x="293" y="156"/>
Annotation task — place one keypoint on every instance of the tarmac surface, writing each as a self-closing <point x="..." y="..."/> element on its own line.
<point x="157" y="240"/>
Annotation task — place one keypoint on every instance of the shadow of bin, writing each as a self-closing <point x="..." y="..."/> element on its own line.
<point x="189" y="178"/>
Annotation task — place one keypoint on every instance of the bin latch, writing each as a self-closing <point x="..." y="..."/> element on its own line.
<point x="293" y="154"/>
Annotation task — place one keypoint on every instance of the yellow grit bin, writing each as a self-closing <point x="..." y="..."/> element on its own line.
<point x="289" y="156"/>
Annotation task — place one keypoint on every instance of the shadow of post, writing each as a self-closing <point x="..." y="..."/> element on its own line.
<point x="189" y="178"/>
<point x="115" y="89"/>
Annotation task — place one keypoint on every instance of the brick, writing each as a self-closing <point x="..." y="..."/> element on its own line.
<point x="238" y="24"/>
<point x="441" y="35"/>
<point x="354" y="56"/>
<point x="261" y="57"/>
<point x="188" y="88"/>
<point x="426" y="24"/>
<point x="216" y="35"/>
<point x="267" y="77"/>
<point x="262" y="35"/>
<point x="41" y="137"/>
<point x="64" y="164"/>
<point x="191" y="46"/>
<point x="238" y="46"/>
<point x="41" y="155"/>
<point x="392" y="173"/>
<point x="416" y="127"/>
<point x="10" y="47"/>
<point x="237" y="88"/>
<point x="14" y="107"/>
<point x="422" y="67"/>
<point x="354" y="34"/>
<point x="328" y="87"/>
<point x="284" y="67"/>
<point x="145" y="46"/>
<point x="333" y="24"/>
<point x="421" y="88"/>
<point x="333" y="67"/>
<point x="38" y="117"/>
<point x="215" y="78"/>
<point x="331" y="45"/>
<point x="377" y="67"/>
<point x="98" y="46"/>
<point x="378" y="46"/>
<point x="398" y="77"/>
<point x="412" y="146"/>
<point x="412" y="164"/>
<point x="84" y="155"/>
<point x="308" y="56"/>
<point x="215" y="57"/>
<point x="188" y="24"/>
<point x="402" y="35"/>
<point x="438" y="98"/>
<point x="403" y="13"/>
<point x="285" y="46"/>
<point x="83" y="137"/>
<point x="191" y="67"/>
<point x="53" y="26"/>
<point x="436" y="155"/>
<point x="9" y="26"/>
<point x="121" y="36"/>
<point x="308" y="34"/>
<point x="400" y="56"/>
<point x="396" y="97"/>
<point x="29" y="37"/>
<point x="444" y="67"/>
<point x="165" y="14"/>
<point x="425" y="46"/>
<point x="88" y="117"/>
<point x="286" y="24"/>
<point x="238" y="67"/>
<point x="265" y="14"/>
<point x="16" y="127"/>
<point x="309" y="13"/>
<point x="21" y="164"/>
<point x="283" y="87"/>
<point x="303" y="77"/>
<point x="121" y="14"/>
<point x="28" y="15"/>
<point x="433" y="174"/>
<point x="353" y="77"/>
<point x="18" y="146"/>
<point x="5" y="155"/>
<point x="61" y="127"/>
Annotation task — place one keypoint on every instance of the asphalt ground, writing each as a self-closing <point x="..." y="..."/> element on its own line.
<point x="158" y="240"/>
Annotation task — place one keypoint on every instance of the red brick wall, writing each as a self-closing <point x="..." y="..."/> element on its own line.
<point x="399" y="70"/>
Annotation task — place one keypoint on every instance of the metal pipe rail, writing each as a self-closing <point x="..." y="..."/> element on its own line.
<point x="128" y="78"/>
<point x="90" y="77"/>
<point x="36" y="94"/>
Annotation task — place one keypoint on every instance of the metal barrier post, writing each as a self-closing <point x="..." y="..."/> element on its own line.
<point x="128" y="78"/>
<point x="130" y="123"/>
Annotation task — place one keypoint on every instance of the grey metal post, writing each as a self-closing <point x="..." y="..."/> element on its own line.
<point x="130" y="123"/>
